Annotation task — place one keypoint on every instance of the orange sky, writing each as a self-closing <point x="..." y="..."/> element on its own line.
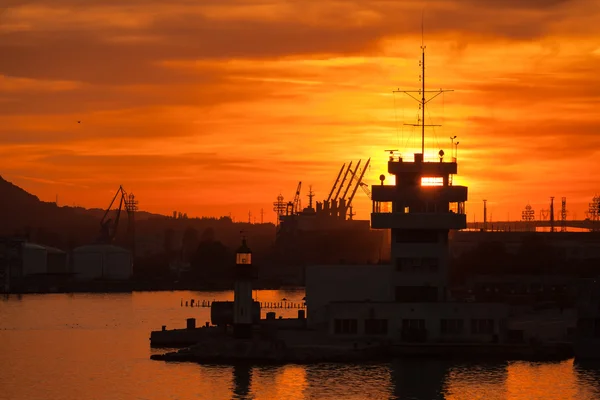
<point x="218" y="107"/>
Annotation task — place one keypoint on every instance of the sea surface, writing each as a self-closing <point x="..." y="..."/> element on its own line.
<point x="96" y="346"/>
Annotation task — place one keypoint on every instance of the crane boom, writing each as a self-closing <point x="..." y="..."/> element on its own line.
<point x="362" y="174"/>
<point x="297" y="198"/>
<point x="343" y="180"/>
<point x="336" y="182"/>
<point x="366" y="189"/>
<point x="108" y="227"/>
<point x="352" y="177"/>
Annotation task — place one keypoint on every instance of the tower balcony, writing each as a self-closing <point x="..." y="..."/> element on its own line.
<point x="418" y="194"/>
<point x="424" y="168"/>
<point x="423" y="221"/>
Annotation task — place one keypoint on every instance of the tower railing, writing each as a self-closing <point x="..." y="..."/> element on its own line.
<point x="411" y="158"/>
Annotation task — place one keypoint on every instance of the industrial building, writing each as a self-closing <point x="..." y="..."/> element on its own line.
<point x="30" y="259"/>
<point x="572" y="245"/>
<point x="335" y="212"/>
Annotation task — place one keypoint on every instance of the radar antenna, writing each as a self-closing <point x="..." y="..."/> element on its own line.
<point x="423" y="100"/>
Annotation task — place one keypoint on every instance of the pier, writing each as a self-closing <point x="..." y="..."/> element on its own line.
<point x="263" y="305"/>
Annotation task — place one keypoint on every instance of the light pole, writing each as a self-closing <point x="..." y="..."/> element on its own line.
<point x="456" y="150"/>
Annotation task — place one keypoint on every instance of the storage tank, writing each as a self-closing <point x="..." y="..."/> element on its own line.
<point x="34" y="259"/>
<point x="102" y="261"/>
<point x="56" y="261"/>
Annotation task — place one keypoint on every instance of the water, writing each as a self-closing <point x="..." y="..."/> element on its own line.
<point x="95" y="346"/>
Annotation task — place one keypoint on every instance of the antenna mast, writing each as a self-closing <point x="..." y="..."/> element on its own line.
<point x="422" y="101"/>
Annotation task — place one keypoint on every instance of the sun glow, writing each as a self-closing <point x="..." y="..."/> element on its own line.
<point x="432" y="181"/>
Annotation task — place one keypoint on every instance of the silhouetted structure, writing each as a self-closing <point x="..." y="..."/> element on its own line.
<point x="108" y="227"/>
<point x="411" y="295"/>
<point x="552" y="214"/>
<point x="528" y="216"/>
<point x="242" y="303"/>
<point x="563" y="215"/>
<point x="485" y="215"/>
<point x="328" y="233"/>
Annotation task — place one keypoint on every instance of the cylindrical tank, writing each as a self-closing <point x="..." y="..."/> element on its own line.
<point x="102" y="261"/>
<point x="34" y="258"/>
<point x="56" y="261"/>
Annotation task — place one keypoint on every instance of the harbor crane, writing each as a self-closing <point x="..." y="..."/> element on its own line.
<point x="293" y="206"/>
<point x="352" y="178"/>
<point x="343" y="181"/>
<point x="108" y="227"/>
<point x="335" y="183"/>
<point x="365" y="189"/>
<point x="297" y="198"/>
<point x="360" y="178"/>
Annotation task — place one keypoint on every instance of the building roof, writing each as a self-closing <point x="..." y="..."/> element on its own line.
<point x="28" y="245"/>
<point x="100" y="248"/>
<point x="53" y="250"/>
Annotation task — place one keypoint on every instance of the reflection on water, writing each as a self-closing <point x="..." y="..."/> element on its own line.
<point x="587" y="380"/>
<point x="416" y="379"/>
<point x="242" y="376"/>
<point x="95" y="346"/>
<point x="476" y="381"/>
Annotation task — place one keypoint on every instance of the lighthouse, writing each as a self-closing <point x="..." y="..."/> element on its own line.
<point x="242" y="300"/>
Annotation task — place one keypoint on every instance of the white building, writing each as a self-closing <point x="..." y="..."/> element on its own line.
<point x="409" y="299"/>
<point x="102" y="261"/>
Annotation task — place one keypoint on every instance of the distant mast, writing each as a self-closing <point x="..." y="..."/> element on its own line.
<point x="422" y="100"/>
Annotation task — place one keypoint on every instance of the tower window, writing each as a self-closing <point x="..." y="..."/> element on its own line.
<point x="451" y="326"/>
<point x="415" y="236"/>
<point x="376" y="326"/>
<point x="416" y="294"/>
<point x="432" y="181"/>
<point x="482" y="326"/>
<point x="417" y="264"/>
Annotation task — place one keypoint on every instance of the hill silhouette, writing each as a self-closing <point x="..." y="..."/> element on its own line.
<point x="161" y="240"/>
<point x="24" y="214"/>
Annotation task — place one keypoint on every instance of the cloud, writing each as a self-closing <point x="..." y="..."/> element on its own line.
<point x="207" y="95"/>
<point x="101" y="43"/>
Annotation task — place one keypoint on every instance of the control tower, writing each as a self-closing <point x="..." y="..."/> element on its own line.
<point x="420" y="209"/>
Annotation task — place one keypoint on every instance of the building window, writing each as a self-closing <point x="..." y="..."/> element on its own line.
<point x="482" y="326"/>
<point x="430" y="264"/>
<point x="413" y="324"/>
<point x="451" y="326"/>
<point x="408" y="264"/>
<point x="415" y="236"/>
<point x="417" y="264"/>
<point x="416" y="294"/>
<point x="413" y="330"/>
<point x="345" y="326"/>
<point x="376" y="326"/>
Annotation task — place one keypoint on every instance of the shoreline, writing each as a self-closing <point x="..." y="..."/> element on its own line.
<point x="129" y="287"/>
<point x="311" y="354"/>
